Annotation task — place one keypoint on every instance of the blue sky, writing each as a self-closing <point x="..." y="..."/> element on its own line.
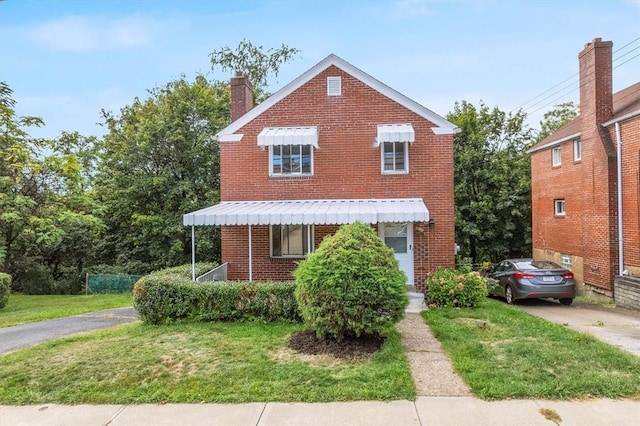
<point x="67" y="60"/>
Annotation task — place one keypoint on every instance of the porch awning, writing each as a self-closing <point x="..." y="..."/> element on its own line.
<point x="288" y="136"/>
<point x="310" y="212"/>
<point x="395" y="133"/>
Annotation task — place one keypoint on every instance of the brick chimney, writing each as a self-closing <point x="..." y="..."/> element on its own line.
<point x="241" y="95"/>
<point x="596" y="82"/>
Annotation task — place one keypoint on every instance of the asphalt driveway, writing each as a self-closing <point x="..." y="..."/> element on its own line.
<point x="615" y="326"/>
<point x="25" y="335"/>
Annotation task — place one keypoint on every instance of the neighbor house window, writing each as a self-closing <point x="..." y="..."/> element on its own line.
<point x="556" y="156"/>
<point x="559" y="207"/>
<point x="577" y="150"/>
<point x="291" y="160"/>
<point x="395" y="157"/>
<point x="565" y="261"/>
<point x="291" y="240"/>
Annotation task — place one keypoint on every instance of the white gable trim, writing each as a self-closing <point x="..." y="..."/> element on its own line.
<point x="553" y="143"/>
<point x="444" y="127"/>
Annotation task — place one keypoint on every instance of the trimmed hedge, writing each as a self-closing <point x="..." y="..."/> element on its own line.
<point x="5" y="288"/>
<point x="164" y="297"/>
<point x="351" y="285"/>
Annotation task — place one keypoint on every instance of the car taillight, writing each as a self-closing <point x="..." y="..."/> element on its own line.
<point x="567" y="275"/>
<point x="521" y="275"/>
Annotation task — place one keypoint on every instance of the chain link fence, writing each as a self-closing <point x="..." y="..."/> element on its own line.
<point x="106" y="283"/>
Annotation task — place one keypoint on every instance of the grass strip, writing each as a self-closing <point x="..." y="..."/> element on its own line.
<point x="503" y="352"/>
<point x="194" y="363"/>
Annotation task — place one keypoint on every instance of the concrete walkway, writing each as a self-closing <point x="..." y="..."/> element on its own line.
<point x="443" y="400"/>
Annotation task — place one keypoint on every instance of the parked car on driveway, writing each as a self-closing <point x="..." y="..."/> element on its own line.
<point x="532" y="279"/>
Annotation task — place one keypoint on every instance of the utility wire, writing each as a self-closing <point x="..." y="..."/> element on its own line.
<point x="566" y="89"/>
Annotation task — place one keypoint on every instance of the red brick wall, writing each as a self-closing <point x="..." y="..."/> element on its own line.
<point x="589" y="229"/>
<point x="346" y="165"/>
<point x="630" y="134"/>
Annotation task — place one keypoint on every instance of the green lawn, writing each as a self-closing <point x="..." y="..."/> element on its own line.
<point x="192" y="363"/>
<point x="22" y="309"/>
<point x="503" y="352"/>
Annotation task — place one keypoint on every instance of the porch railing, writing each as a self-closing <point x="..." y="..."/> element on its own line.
<point x="217" y="274"/>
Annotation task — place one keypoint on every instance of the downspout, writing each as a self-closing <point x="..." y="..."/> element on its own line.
<point x="193" y="253"/>
<point x="619" y="171"/>
<point x="250" y="257"/>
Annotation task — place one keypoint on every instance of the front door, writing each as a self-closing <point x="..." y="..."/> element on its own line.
<point x="399" y="237"/>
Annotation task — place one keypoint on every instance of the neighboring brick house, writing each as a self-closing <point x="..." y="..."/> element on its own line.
<point x="334" y="146"/>
<point x="576" y="173"/>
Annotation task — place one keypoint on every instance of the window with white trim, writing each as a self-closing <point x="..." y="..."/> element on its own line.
<point x="556" y="156"/>
<point x="293" y="241"/>
<point x="559" y="207"/>
<point x="565" y="261"/>
<point x="577" y="150"/>
<point x="395" y="157"/>
<point x="290" y="160"/>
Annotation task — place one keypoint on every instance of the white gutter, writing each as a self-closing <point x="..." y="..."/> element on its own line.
<point x="620" y="225"/>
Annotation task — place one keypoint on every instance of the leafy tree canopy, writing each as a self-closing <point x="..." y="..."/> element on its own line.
<point x="492" y="182"/>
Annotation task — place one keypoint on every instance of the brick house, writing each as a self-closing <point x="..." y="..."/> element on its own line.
<point x="333" y="146"/>
<point x="576" y="175"/>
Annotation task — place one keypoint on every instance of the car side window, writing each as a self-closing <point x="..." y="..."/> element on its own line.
<point x="503" y="266"/>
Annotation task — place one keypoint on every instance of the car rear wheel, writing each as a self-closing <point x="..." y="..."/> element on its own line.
<point x="566" y="301"/>
<point x="508" y="295"/>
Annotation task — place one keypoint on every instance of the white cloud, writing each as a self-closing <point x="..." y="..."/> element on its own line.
<point x="81" y="34"/>
<point x="412" y="8"/>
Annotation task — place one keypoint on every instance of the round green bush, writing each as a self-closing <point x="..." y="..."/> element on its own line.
<point x="5" y="289"/>
<point x="449" y="287"/>
<point x="351" y="285"/>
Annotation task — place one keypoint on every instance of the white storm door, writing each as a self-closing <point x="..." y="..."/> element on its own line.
<point x="399" y="237"/>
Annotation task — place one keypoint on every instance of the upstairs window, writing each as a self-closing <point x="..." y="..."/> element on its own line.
<point x="559" y="207"/>
<point x="293" y="241"/>
<point x="394" y="157"/>
<point x="291" y="160"/>
<point x="290" y="149"/>
<point x="556" y="157"/>
<point x="394" y="140"/>
<point x="577" y="150"/>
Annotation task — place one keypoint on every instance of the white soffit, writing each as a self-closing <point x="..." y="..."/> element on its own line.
<point x="270" y="136"/>
<point x="310" y="212"/>
<point x="395" y="133"/>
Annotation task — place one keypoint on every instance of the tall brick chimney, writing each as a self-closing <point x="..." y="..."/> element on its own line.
<point x="596" y="82"/>
<point x="241" y="95"/>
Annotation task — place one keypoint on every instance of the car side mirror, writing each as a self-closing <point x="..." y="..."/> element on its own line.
<point x="491" y="269"/>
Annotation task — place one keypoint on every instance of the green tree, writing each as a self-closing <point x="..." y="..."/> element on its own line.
<point x="45" y="208"/>
<point x="560" y="115"/>
<point x="157" y="162"/>
<point x="492" y="182"/>
<point x="257" y="63"/>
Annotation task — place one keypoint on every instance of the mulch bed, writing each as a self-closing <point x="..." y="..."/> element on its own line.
<point x="306" y="342"/>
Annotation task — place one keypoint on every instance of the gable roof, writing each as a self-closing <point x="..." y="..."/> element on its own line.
<point x="626" y="105"/>
<point x="444" y="126"/>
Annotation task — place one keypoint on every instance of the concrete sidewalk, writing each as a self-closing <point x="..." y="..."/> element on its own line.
<point x="441" y="411"/>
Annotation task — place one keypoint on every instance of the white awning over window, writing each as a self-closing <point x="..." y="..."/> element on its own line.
<point x="395" y="133"/>
<point x="310" y="212"/>
<point x="288" y="136"/>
